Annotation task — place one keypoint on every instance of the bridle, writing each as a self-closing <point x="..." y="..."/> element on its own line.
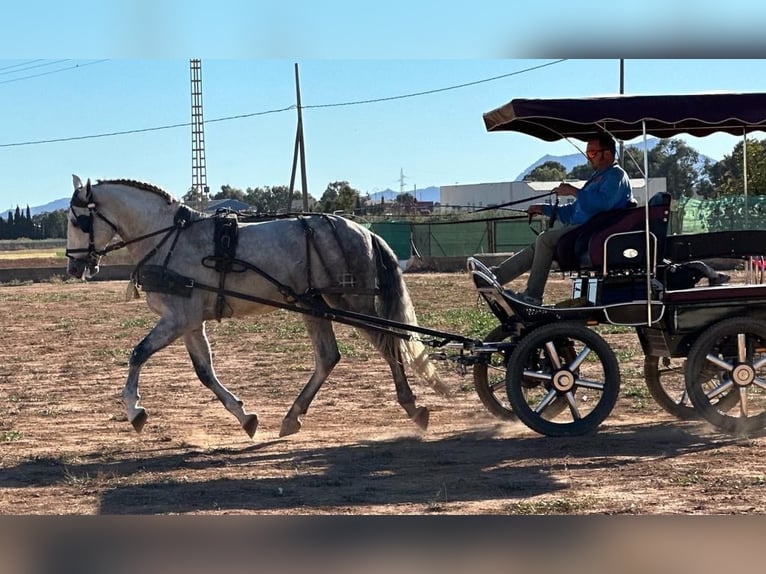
<point x="85" y="223"/>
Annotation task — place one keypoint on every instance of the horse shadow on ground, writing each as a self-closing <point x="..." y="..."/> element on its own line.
<point x="464" y="467"/>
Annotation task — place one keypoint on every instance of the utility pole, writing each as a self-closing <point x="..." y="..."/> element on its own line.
<point x="622" y="91"/>
<point x="199" y="187"/>
<point x="299" y="149"/>
<point x="402" y="177"/>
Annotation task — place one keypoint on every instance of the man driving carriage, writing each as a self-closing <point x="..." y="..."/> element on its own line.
<point x="606" y="189"/>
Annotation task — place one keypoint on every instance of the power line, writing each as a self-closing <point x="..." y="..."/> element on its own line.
<point x="29" y="66"/>
<point x="54" y="71"/>
<point x="437" y="90"/>
<point x="143" y="130"/>
<point x="21" y="64"/>
<point x="263" y="113"/>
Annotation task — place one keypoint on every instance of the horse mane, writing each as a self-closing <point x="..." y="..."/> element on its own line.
<point x="141" y="185"/>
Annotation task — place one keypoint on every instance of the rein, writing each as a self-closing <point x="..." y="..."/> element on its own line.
<point x="516" y="202"/>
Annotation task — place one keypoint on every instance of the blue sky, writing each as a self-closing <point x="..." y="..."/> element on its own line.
<point x="91" y="69"/>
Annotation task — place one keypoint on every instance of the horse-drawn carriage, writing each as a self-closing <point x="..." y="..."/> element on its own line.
<point x="705" y="347"/>
<point x="560" y="377"/>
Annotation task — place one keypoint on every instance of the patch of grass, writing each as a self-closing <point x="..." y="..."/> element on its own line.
<point x="550" y="506"/>
<point x="10" y="435"/>
<point x="470" y="322"/>
<point x="115" y="354"/>
<point x="16" y="283"/>
<point x="360" y="350"/>
<point x="238" y="327"/>
<point x="138" y="322"/>
<point x="692" y="477"/>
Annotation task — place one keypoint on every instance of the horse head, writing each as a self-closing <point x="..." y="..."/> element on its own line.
<point x="86" y="240"/>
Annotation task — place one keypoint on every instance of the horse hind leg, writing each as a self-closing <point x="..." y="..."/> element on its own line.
<point x="199" y="350"/>
<point x="326" y="356"/>
<point x="389" y="347"/>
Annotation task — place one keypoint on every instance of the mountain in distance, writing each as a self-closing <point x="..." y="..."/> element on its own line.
<point x="572" y="160"/>
<point x="55" y="205"/>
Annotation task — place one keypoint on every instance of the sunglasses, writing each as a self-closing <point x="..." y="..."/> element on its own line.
<point x="592" y="153"/>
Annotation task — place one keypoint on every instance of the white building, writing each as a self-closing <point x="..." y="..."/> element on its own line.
<point x="478" y="195"/>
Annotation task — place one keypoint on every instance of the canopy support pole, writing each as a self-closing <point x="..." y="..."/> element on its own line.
<point x="744" y="173"/>
<point x="647" y="244"/>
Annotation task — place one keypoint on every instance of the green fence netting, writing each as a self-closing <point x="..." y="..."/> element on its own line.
<point x="455" y="239"/>
<point x="729" y="213"/>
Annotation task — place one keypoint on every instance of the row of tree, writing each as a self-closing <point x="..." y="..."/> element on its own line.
<point x="21" y="224"/>
<point x="338" y="196"/>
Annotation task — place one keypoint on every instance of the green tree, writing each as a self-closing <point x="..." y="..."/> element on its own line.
<point x="406" y="199"/>
<point x="727" y="177"/>
<point x="582" y="171"/>
<point x="271" y="199"/>
<point x="339" y="196"/>
<point x="228" y="192"/>
<point x="672" y="159"/>
<point x="548" y="171"/>
<point x="51" y="224"/>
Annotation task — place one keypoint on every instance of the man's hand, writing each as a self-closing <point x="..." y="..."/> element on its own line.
<point x="565" y="189"/>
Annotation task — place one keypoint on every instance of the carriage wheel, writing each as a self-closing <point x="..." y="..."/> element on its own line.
<point x="576" y="379"/>
<point x="489" y="376"/>
<point x="726" y="375"/>
<point x="666" y="383"/>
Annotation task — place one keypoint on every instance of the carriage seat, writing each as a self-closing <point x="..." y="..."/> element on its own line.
<point x="615" y="240"/>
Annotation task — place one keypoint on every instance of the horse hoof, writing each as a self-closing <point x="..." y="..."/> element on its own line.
<point x="251" y="423"/>
<point x="289" y="426"/>
<point x="139" y="420"/>
<point x="420" y="417"/>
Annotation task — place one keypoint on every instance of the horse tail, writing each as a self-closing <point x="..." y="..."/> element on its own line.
<point x="394" y="303"/>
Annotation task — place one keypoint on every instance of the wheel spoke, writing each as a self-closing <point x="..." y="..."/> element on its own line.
<point x="581" y="356"/>
<point x="759" y="382"/>
<point x="588" y="384"/>
<point x="537" y="375"/>
<point x="553" y="354"/>
<point x="720" y="363"/>
<point x="743" y="401"/>
<point x="720" y="389"/>
<point x="741" y="347"/>
<point x="573" y="406"/>
<point x="546" y="401"/>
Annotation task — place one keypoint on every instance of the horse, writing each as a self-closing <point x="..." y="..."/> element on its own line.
<point x="314" y="264"/>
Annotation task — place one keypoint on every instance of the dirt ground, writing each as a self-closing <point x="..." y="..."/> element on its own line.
<point x="66" y="446"/>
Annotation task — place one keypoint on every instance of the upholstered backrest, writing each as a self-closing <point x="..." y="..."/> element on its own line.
<point x="611" y="234"/>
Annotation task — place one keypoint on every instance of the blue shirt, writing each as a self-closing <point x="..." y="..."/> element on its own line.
<point x="605" y="190"/>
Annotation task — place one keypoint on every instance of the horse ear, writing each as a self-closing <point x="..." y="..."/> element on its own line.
<point x="77" y="182"/>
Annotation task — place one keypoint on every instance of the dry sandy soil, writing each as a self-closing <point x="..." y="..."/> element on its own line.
<point x="66" y="446"/>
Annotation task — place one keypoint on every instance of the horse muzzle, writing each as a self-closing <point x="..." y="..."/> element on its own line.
<point x="82" y="268"/>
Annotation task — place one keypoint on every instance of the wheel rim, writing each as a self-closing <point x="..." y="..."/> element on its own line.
<point x="577" y="380"/>
<point x="727" y="365"/>
<point x="489" y="377"/>
<point x="665" y="379"/>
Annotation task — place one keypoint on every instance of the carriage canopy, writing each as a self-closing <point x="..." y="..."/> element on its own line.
<point x="623" y="116"/>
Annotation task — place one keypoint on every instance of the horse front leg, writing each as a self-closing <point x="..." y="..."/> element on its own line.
<point x="326" y="356"/>
<point x="197" y="344"/>
<point x="163" y="333"/>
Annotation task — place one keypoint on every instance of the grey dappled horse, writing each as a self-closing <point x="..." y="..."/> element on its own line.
<point x="341" y="264"/>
